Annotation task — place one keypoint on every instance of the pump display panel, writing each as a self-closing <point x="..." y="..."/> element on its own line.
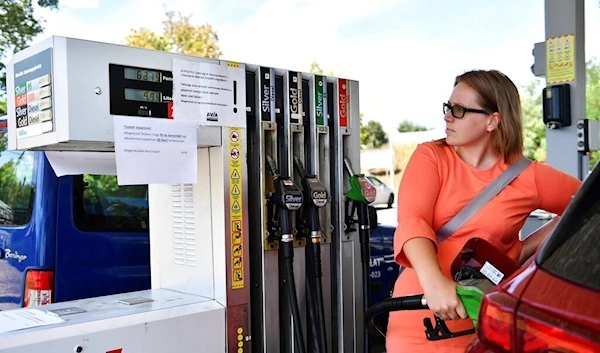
<point x="143" y="92"/>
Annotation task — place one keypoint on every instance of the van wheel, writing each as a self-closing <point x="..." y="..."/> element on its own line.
<point x="390" y="201"/>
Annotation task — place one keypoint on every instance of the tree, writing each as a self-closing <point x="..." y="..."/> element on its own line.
<point x="531" y="105"/>
<point x="534" y="134"/>
<point x="3" y="106"/>
<point x="179" y="36"/>
<point x="18" y="26"/>
<point x="3" y="143"/>
<point x="409" y="126"/>
<point x="315" y="68"/>
<point x="593" y="98"/>
<point x="372" y="134"/>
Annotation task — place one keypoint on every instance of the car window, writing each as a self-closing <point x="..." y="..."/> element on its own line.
<point x="572" y="251"/>
<point x="17" y="175"/>
<point x="375" y="181"/>
<point x="100" y="204"/>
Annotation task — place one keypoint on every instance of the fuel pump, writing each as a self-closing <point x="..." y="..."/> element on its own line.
<point x="315" y="196"/>
<point x="361" y="193"/>
<point x="285" y="199"/>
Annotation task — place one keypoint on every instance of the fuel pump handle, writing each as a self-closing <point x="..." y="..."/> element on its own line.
<point x="286" y="194"/>
<point x="361" y="189"/>
<point x="315" y="191"/>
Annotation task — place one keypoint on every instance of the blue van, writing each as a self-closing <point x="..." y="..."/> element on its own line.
<point x="67" y="238"/>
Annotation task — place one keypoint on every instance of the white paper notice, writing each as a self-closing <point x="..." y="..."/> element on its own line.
<point x="74" y="163"/>
<point x="155" y="151"/>
<point x="208" y="93"/>
<point x="25" y="318"/>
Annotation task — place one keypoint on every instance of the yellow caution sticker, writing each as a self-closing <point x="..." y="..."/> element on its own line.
<point x="560" y="59"/>
<point x="235" y="208"/>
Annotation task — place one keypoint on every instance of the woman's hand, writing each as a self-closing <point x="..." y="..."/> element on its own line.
<point x="442" y="299"/>
<point x="439" y="290"/>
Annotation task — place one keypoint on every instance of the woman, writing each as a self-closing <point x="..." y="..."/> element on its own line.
<point x="483" y="138"/>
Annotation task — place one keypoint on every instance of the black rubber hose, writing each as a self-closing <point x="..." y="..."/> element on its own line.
<point x="319" y="294"/>
<point x="288" y="253"/>
<point x="411" y="302"/>
<point x="314" y="329"/>
<point x="364" y="233"/>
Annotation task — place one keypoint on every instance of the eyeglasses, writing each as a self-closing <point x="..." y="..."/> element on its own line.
<point x="459" y="112"/>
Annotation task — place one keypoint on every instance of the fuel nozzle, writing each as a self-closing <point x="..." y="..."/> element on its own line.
<point x="314" y="190"/>
<point x="317" y="196"/>
<point x="286" y="197"/>
<point x="361" y="189"/>
<point x="361" y="194"/>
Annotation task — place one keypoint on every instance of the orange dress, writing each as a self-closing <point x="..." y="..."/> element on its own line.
<point x="436" y="185"/>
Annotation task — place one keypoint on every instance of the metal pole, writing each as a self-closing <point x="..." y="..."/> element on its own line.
<point x="563" y="18"/>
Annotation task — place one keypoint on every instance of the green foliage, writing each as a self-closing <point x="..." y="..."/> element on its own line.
<point x="409" y="126"/>
<point x="2" y="107"/>
<point x="104" y="190"/>
<point x="533" y="123"/>
<point x="3" y="143"/>
<point x="593" y="98"/>
<point x="372" y="134"/>
<point x="179" y="36"/>
<point x="531" y="104"/>
<point x="98" y="185"/>
<point x="315" y="68"/>
<point x="16" y="194"/>
<point x="18" y="26"/>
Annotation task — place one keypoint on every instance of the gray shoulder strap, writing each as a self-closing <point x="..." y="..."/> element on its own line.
<point x="482" y="199"/>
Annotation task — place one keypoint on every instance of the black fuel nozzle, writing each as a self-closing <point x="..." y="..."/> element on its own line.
<point x="286" y="198"/>
<point x="315" y="193"/>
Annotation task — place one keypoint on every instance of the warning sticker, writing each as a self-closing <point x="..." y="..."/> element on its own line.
<point x="235" y="207"/>
<point x="236" y="226"/>
<point x="560" y="59"/>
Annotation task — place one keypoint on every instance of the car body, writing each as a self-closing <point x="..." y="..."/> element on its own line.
<point x="552" y="304"/>
<point x="385" y="194"/>
<point x="70" y="237"/>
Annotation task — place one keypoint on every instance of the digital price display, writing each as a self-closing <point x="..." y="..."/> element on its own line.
<point x="140" y="91"/>
<point x="142" y="95"/>
<point x="142" y="75"/>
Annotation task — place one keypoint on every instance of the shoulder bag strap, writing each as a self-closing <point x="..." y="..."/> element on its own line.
<point x="482" y="199"/>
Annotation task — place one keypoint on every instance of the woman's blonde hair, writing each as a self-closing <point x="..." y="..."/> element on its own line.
<point x="497" y="93"/>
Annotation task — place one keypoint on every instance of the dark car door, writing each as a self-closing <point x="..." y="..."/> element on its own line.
<point x="102" y="244"/>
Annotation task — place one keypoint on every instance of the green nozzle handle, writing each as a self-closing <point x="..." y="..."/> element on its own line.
<point x="471" y="293"/>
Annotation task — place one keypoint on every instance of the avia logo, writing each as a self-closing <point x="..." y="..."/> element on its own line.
<point x="212" y="116"/>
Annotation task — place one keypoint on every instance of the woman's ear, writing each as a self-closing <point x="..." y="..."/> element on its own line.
<point x="494" y="121"/>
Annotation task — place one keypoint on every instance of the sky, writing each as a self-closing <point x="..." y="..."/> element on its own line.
<point x="404" y="53"/>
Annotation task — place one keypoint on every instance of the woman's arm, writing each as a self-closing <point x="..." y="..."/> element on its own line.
<point x="534" y="240"/>
<point x="439" y="290"/>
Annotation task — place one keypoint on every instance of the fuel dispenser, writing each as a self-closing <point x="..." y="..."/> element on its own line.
<point x="292" y="122"/>
<point x="267" y="204"/>
<point x="342" y="102"/>
<point x="200" y="294"/>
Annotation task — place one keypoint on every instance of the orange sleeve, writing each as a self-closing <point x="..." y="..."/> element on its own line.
<point x="417" y="194"/>
<point x="555" y="188"/>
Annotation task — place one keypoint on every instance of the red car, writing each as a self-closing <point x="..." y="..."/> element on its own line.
<point x="552" y="304"/>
